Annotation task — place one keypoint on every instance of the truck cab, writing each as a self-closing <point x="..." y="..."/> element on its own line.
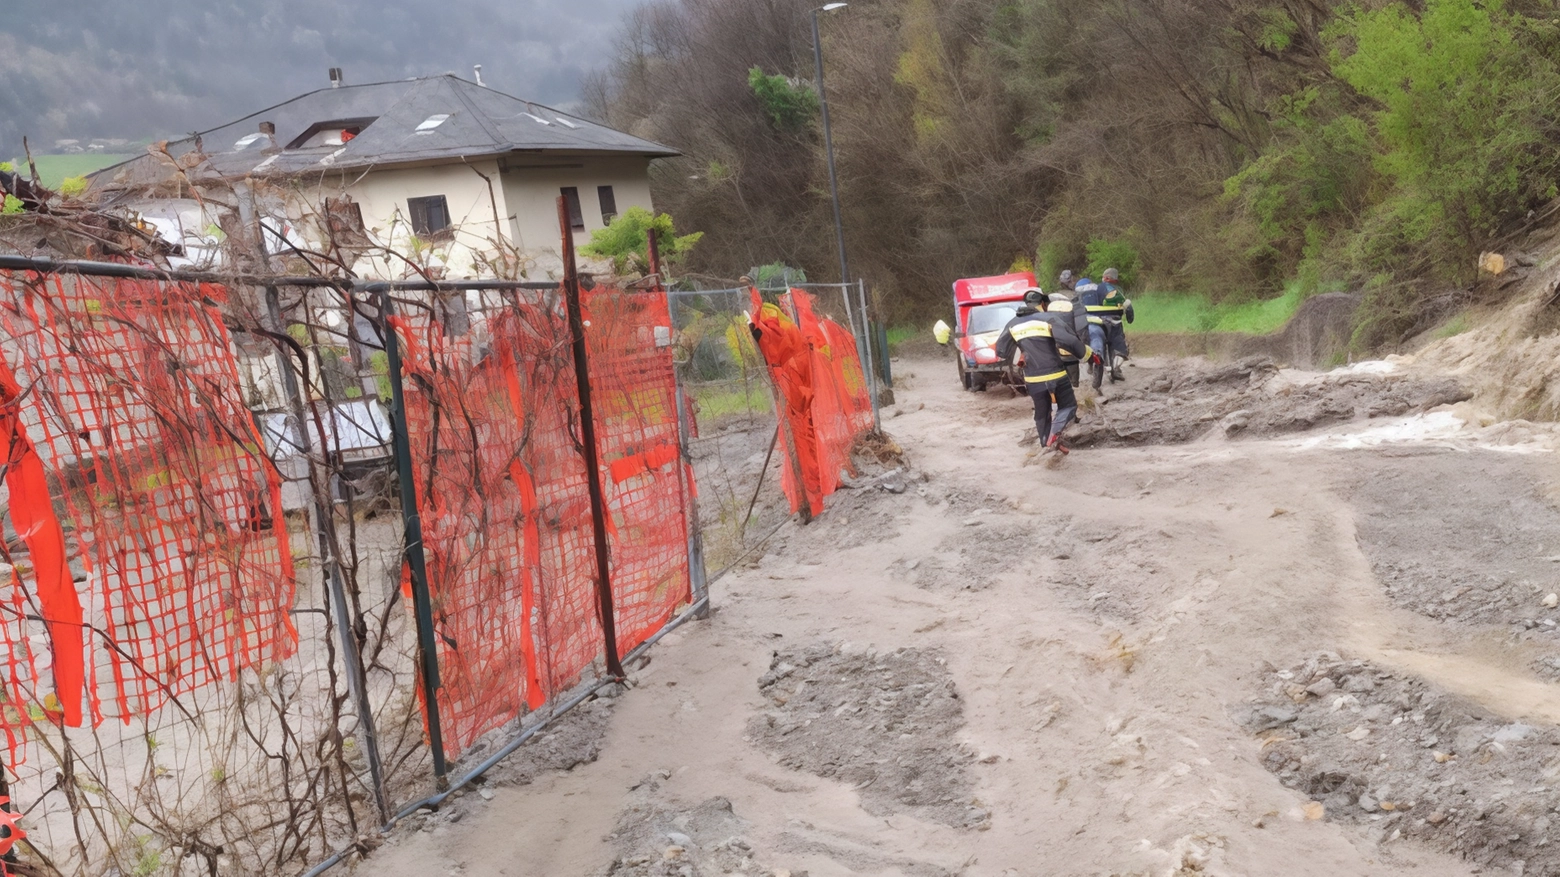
<point x="982" y="306"/>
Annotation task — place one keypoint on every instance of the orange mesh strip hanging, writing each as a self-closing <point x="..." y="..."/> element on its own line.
<point x="32" y="514"/>
<point x="785" y="351"/>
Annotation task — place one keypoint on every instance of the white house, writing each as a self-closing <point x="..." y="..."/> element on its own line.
<point x="441" y="171"/>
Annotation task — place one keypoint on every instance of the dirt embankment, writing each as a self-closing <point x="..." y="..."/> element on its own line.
<point x="1252" y="398"/>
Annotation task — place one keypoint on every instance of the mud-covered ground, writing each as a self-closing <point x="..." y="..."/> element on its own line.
<point x="1461" y="536"/>
<point x="881" y="723"/>
<point x="1249" y="399"/>
<point x="1406" y="760"/>
<point x="1215" y="646"/>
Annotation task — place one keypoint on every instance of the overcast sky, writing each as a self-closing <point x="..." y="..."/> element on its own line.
<point x="163" y="68"/>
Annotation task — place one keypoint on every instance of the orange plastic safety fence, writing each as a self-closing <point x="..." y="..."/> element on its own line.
<point x="634" y="392"/>
<point x="492" y="412"/>
<point x="823" y="396"/>
<point x="500" y="491"/>
<point x="840" y="393"/>
<point x="129" y="392"/>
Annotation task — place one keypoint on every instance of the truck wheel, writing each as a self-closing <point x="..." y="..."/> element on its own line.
<point x="964" y="376"/>
<point x="978" y="383"/>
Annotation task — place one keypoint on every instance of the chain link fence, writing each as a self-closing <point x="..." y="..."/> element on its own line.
<point x="734" y="439"/>
<point x="286" y="561"/>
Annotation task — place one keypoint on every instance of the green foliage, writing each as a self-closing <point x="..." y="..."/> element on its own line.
<point x="1051" y="260"/>
<point x="777" y="275"/>
<point x="1118" y="254"/>
<point x="627" y="244"/>
<point x="13" y="205"/>
<point x="790" y="105"/>
<point x="1464" y="96"/>
<point x="74" y="187"/>
<point x="7" y="167"/>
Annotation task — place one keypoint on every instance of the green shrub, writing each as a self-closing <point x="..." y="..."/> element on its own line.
<point x="627" y="244"/>
<point x="1118" y="254"/>
<point x="790" y="105"/>
<point x="1465" y="110"/>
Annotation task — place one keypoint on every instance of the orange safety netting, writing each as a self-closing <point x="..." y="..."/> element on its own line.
<point x="502" y="494"/>
<point x="822" y="398"/>
<point x="634" y="390"/>
<point x="122" y="406"/>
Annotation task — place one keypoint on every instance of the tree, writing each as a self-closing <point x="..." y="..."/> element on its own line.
<point x="626" y="241"/>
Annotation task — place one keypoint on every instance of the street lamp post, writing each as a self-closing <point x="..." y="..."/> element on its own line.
<point x="828" y="138"/>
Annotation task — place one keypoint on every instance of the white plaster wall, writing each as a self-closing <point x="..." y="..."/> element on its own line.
<point x="523" y="198"/>
<point x="477" y="213"/>
<point x="531" y="189"/>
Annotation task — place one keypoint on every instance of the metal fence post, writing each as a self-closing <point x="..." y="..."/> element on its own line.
<point x="422" y="600"/>
<point x="698" y="574"/>
<point x="325" y="538"/>
<point x="5" y="792"/>
<point x="872" y="375"/>
<point x="598" y="503"/>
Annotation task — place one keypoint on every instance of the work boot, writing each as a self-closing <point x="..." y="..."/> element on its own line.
<point x="1055" y="446"/>
<point x="1115" y="369"/>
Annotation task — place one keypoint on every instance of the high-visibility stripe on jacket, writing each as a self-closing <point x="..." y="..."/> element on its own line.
<point x="1044" y="341"/>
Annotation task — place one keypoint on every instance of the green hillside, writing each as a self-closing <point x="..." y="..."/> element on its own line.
<point x="55" y="169"/>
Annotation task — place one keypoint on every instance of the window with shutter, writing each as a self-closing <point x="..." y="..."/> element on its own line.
<point x="571" y="197"/>
<point x="608" y="204"/>
<point x="430" y="216"/>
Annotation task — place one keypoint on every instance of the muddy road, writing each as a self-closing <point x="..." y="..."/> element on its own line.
<point x="1304" y="637"/>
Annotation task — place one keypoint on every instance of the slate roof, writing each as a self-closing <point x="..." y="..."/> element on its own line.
<point x="481" y="122"/>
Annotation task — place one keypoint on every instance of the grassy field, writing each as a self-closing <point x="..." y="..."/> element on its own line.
<point x="1175" y="313"/>
<point x="1183" y="314"/>
<point x="55" y="169"/>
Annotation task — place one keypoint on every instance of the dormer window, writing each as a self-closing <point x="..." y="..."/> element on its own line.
<point x="334" y="133"/>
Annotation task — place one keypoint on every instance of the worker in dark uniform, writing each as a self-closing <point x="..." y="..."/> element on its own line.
<point x="1116" y="307"/>
<point x="1043" y="340"/>
<point x="1060" y="306"/>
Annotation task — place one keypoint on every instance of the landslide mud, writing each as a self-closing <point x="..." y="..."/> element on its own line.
<point x="1248" y="399"/>
<point x="1469" y="537"/>
<point x="1406" y="760"/>
<point x="885" y="723"/>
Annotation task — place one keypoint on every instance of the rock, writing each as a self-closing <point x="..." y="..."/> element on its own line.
<point x="673" y="852"/>
<point x="1269" y="717"/>
<point x="1322" y="687"/>
<point x="1436" y="818"/>
<point x="1358" y="734"/>
<point x="1441" y="757"/>
<point x="895" y="486"/>
<point x="1552" y="601"/>
<point x="679" y="839"/>
<point x="1368" y="804"/>
<point x="1359" y="682"/>
<point x="1514" y="733"/>
<point x="487" y="794"/>
<point x="1313" y="811"/>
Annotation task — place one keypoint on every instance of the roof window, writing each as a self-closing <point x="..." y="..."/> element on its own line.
<point x="432" y="122"/>
<point x="335" y="133"/>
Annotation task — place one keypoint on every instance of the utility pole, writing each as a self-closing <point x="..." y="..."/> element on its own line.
<point x="828" y="138"/>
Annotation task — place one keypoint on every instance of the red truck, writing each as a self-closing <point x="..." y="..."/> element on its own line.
<point x="982" y="306"/>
